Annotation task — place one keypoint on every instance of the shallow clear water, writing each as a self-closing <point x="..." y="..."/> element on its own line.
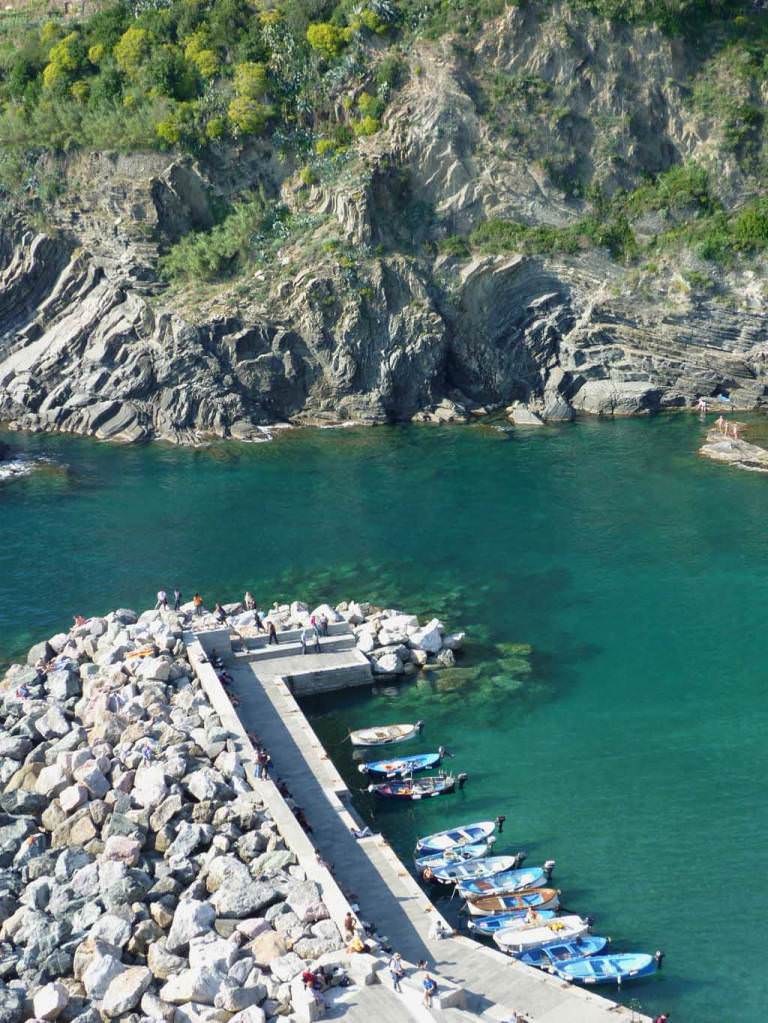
<point x="630" y="746"/>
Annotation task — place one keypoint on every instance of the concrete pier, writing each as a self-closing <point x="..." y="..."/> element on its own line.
<point x="477" y="981"/>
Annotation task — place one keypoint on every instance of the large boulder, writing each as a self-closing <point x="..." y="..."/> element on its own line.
<point x="428" y="638"/>
<point x="286" y="967"/>
<point x="125" y="990"/>
<point x="50" y="1001"/>
<point x="241" y="897"/>
<point x="191" y="919"/>
<point x="197" y="984"/>
<point x="149" y="787"/>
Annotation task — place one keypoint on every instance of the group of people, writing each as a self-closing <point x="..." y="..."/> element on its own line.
<point x="162" y="600"/>
<point x="726" y="428"/>
<point x="428" y="984"/>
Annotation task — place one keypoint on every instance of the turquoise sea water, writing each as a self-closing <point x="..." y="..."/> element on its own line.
<point x="630" y="746"/>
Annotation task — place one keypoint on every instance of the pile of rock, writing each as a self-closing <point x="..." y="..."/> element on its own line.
<point x="141" y="877"/>
<point x="393" y="641"/>
<point x="396" y="644"/>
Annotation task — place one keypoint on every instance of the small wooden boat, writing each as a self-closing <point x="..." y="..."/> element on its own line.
<point x="415" y="788"/>
<point x="434" y="861"/>
<point x="486" y="867"/>
<point x="530" y="898"/>
<point x="610" y="969"/>
<point x="385" y="735"/>
<point x="505" y="883"/>
<point x="497" y="922"/>
<point x="514" y="940"/>
<point x="464" y="834"/>
<point x="401" y="766"/>
<point x="564" y="951"/>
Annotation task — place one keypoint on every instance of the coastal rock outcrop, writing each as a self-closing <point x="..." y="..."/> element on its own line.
<point x="366" y="314"/>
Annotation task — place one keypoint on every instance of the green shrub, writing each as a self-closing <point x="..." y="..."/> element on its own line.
<point x="307" y="176"/>
<point x="324" y="146"/>
<point x="247" y="115"/>
<point x="250" y="79"/>
<point x="131" y="49"/>
<point x="366" y="126"/>
<point x="327" y="39"/>
<point x="455" y="245"/>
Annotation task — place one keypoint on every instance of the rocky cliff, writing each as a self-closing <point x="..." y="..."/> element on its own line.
<point x="363" y="312"/>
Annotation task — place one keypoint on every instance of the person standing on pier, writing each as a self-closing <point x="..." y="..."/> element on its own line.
<point x="162" y="601"/>
<point x="197" y="603"/>
<point x="430" y="989"/>
<point x="396" y="971"/>
<point x="272" y="634"/>
<point x="177" y="599"/>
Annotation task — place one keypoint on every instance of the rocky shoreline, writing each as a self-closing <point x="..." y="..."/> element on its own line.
<point x="734" y="451"/>
<point x="142" y="877"/>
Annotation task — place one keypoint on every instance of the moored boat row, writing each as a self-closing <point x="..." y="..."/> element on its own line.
<point x="513" y="905"/>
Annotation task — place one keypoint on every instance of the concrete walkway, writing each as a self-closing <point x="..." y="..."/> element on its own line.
<point x="387" y="894"/>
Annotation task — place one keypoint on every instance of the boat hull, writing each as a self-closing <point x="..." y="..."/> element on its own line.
<point x="549" y="956"/>
<point x="452" y="857"/>
<point x="514" y="940"/>
<point x="400" y="766"/>
<point x="611" y="969"/>
<point x="454" y="873"/>
<point x="384" y="735"/>
<point x="529" y="898"/>
<point x="455" y="838"/>
<point x="424" y="788"/>
<point x="489" y="924"/>
<point x="505" y="883"/>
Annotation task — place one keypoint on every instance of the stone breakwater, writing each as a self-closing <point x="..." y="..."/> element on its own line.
<point x="394" y="642"/>
<point x="141" y="876"/>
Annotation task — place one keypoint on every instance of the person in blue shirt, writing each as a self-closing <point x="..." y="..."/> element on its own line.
<point x="430" y="987"/>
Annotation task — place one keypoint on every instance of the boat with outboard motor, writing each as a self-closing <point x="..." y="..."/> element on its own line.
<point x="529" y="898"/>
<point x="385" y="735"/>
<point x="610" y="969"/>
<point x="400" y="766"/>
<point x="507" y="882"/>
<point x="487" y="925"/>
<point x="455" y="838"/>
<point x="450" y="857"/>
<point x="487" y="867"/>
<point x="548" y="956"/>
<point x="415" y="788"/>
<point x="514" y="940"/>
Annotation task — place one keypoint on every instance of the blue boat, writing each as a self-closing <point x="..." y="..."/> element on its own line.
<point x="497" y="922"/>
<point x="451" y="857"/>
<point x="462" y="873"/>
<point x="612" y="969"/>
<point x="464" y="834"/>
<point x="398" y="767"/>
<point x="553" y="955"/>
<point x="505" y="883"/>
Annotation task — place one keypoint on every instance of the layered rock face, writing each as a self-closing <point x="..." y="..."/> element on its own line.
<point x="91" y="342"/>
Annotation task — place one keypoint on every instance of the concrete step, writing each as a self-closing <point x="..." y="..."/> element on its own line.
<point x="290" y="648"/>
<point x="259" y="640"/>
<point x="324" y="680"/>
